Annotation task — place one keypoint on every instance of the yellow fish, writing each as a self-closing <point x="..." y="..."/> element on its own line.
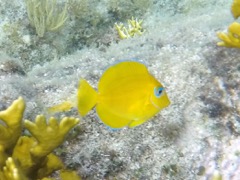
<point x="128" y="95"/>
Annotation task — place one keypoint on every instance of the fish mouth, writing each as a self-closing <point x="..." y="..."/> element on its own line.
<point x="154" y="104"/>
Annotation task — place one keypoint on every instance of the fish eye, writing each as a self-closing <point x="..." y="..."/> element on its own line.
<point x="158" y="91"/>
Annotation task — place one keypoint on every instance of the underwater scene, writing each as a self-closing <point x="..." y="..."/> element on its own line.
<point x="120" y="90"/>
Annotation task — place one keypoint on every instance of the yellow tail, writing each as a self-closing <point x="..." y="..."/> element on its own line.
<point x="87" y="97"/>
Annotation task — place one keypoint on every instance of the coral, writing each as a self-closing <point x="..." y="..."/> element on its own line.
<point x="232" y="38"/>
<point x="11" y="130"/>
<point x="65" y="174"/>
<point x="23" y="157"/>
<point x="11" y="171"/>
<point x="236" y="8"/>
<point x="134" y="27"/>
<point x="45" y="16"/>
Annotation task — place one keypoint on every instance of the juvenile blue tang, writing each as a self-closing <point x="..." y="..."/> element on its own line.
<point x="128" y="95"/>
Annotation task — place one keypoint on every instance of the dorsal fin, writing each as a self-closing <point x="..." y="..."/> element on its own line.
<point x="119" y="71"/>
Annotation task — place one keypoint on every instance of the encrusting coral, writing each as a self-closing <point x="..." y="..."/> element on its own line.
<point x="232" y="37"/>
<point x="23" y="157"/>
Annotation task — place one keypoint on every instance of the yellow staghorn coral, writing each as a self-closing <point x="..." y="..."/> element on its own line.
<point x="11" y="171"/>
<point x="25" y="158"/>
<point x="3" y="157"/>
<point x="49" y="136"/>
<point x="65" y="174"/>
<point x="51" y="164"/>
<point x="31" y="166"/>
<point x="232" y="38"/>
<point x="12" y="119"/>
<point x="22" y="155"/>
<point x="236" y="8"/>
<point x="134" y="27"/>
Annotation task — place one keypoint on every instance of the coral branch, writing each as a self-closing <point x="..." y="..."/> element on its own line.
<point x="11" y="171"/>
<point x="10" y="131"/>
<point x="24" y="158"/>
<point x="49" y="136"/>
<point x="232" y="38"/>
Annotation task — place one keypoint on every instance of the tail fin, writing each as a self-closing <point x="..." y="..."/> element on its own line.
<point x="86" y="96"/>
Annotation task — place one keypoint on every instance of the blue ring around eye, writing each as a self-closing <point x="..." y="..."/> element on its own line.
<point x="158" y="91"/>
